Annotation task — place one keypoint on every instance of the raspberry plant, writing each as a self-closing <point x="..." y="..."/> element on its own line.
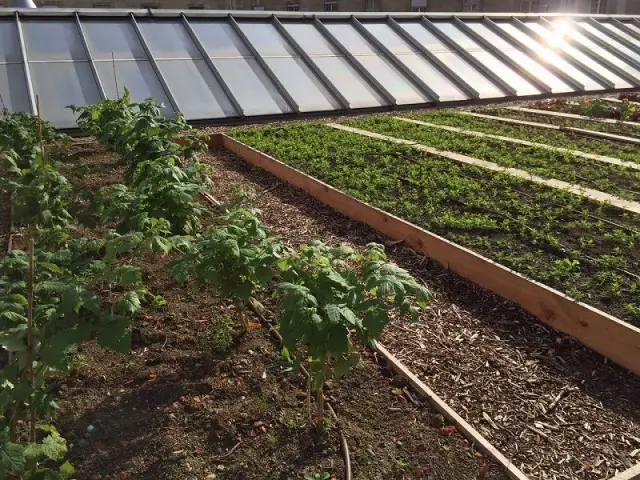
<point x="326" y="293"/>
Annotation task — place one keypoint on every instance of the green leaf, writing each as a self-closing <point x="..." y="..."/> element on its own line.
<point x="333" y="313"/>
<point x="129" y="302"/>
<point x="67" y="471"/>
<point x="344" y="364"/>
<point x="11" y="458"/>
<point x="351" y="317"/>
<point x="129" y="275"/>
<point x="54" y="447"/>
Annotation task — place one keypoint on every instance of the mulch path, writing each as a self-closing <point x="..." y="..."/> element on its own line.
<point x="554" y="407"/>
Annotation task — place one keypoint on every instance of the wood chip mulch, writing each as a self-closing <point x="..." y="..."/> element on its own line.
<point x="555" y="408"/>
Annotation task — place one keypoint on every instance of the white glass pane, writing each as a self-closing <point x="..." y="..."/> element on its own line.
<point x="307" y="91"/>
<point x="389" y="38"/>
<point x="620" y="33"/>
<point x="614" y="43"/>
<point x="358" y="92"/>
<point x="138" y="77"/>
<point x="9" y="45"/>
<point x="579" y="37"/>
<point x="633" y="26"/>
<point x="440" y="84"/>
<point x="250" y="85"/>
<point x="383" y="71"/>
<point x="310" y="39"/>
<point x="61" y="84"/>
<point x="550" y="56"/>
<point x="455" y="62"/>
<point x="54" y="39"/>
<point x="196" y="90"/>
<point x="266" y="39"/>
<point x="13" y="88"/>
<point x="168" y="39"/>
<point x="219" y="39"/>
<point x="348" y="36"/>
<point x="521" y="86"/>
<point x="556" y="39"/>
<point x="112" y="36"/>
<point x="533" y="67"/>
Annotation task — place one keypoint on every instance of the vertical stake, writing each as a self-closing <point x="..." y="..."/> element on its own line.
<point x="40" y="127"/>
<point x="115" y="77"/>
<point x="30" y="281"/>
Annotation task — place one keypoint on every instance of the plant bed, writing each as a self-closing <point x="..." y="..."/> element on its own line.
<point x="616" y="129"/>
<point x="591" y="107"/>
<point x="567" y="140"/>
<point x="193" y="389"/>
<point x="477" y="350"/>
<point x="612" y="179"/>
<point x="565" y="241"/>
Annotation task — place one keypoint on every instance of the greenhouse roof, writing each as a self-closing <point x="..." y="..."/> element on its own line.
<point x="220" y="66"/>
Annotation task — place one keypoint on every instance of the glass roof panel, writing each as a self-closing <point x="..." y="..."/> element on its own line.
<point x="59" y="84"/>
<point x="310" y="39"/>
<point x="250" y="85"/>
<point x="13" y="88"/>
<point x="550" y="55"/>
<point x="115" y="36"/>
<point x="522" y="59"/>
<point x="556" y="39"/>
<point x="609" y="40"/>
<point x="348" y="36"/>
<point x="219" y="39"/>
<point x="522" y="86"/>
<point x="446" y="90"/>
<point x="137" y="76"/>
<point x="485" y="88"/>
<point x="195" y="89"/>
<point x="390" y="39"/>
<point x="305" y="88"/>
<point x="168" y="39"/>
<point x="358" y="92"/>
<point x="619" y="32"/>
<point x="633" y="26"/>
<point x="383" y="71"/>
<point x="52" y="39"/>
<point x="266" y="39"/>
<point x="9" y="44"/>
<point x="564" y="26"/>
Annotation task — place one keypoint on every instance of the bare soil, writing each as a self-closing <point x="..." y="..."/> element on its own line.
<point x="557" y="409"/>
<point x="197" y="400"/>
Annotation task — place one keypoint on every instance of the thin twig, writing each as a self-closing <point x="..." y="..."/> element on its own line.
<point x="115" y="77"/>
<point x="233" y="449"/>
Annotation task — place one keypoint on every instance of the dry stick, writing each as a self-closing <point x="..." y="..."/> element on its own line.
<point x="4" y="107"/>
<point x="30" y="281"/>
<point x="343" y="440"/>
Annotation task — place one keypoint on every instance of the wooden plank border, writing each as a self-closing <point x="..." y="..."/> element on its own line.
<point x="580" y="131"/>
<point x="595" y="195"/>
<point x="460" y="423"/>
<point x="518" y="141"/>
<point x="632" y="474"/>
<point x="600" y="331"/>
<point x="573" y="116"/>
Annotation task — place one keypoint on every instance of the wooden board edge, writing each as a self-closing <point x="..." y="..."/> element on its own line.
<point x="574" y="116"/>
<point x="632" y="474"/>
<point x="603" y="333"/>
<point x="460" y="423"/>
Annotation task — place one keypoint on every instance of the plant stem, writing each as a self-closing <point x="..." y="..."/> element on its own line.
<point x="309" y="398"/>
<point x="40" y="127"/>
<point x="319" y="408"/>
<point x="243" y="317"/>
<point x="30" y="282"/>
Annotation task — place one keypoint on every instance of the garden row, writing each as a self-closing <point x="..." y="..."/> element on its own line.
<point x="582" y="247"/>
<point x="625" y="110"/>
<point x="613" y="128"/>
<point x="613" y="179"/>
<point x="68" y="289"/>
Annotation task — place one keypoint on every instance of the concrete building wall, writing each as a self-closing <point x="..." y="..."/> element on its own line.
<point x="528" y="6"/>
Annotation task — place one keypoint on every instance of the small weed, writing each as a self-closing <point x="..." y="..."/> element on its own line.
<point x="318" y="476"/>
<point x="292" y="424"/>
<point x="271" y="439"/>
<point x="223" y="334"/>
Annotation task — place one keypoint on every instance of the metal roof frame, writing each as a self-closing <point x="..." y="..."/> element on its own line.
<point x="314" y="70"/>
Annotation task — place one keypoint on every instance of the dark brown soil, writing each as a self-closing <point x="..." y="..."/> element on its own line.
<point x="495" y="364"/>
<point x="195" y="400"/>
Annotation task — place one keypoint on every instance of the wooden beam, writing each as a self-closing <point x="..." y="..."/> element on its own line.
<point x="600" y="331"/>
<point x="573" y="116"/>
<point x="632" y="474"/>
<point x="460" y="423"/>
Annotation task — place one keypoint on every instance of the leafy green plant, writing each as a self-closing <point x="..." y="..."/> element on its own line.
<point x="328" y="292"/>
<point x="318" y="476"/>
<point x="237" y="257"/>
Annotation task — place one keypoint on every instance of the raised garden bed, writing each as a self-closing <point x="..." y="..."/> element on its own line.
<point x="612" y="179"/>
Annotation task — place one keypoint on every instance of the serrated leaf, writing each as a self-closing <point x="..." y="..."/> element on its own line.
<point x="12" y="457"/>
<point x="54" y="447"/>
<point x="129" y="275"/>
<point x="115" y="334"/>
<point x="67" y="471"/>
<point x="333" y="313"/>
<point x="129" y="302"/>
